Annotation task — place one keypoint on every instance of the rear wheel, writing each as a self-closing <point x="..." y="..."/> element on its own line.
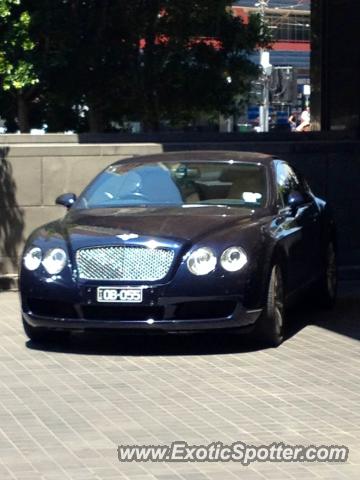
<point x="43" y="335"/>
<point x="327" y="287"/>
<point x="270" y="325"/>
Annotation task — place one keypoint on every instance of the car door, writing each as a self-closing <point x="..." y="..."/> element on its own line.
<point x="299" y="226"/>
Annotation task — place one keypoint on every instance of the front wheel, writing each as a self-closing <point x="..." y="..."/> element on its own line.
<point x="43" y="335"/>
<point x="270" y="325"/>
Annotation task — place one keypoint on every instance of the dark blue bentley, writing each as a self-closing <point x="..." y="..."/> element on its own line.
<point x="180" y="242"/>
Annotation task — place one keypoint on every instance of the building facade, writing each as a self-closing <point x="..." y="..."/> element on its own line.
<point x="290" y="25"/>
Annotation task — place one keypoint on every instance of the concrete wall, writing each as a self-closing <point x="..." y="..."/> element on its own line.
<point x="32" y="176"/>
<point x="35" y="170"/>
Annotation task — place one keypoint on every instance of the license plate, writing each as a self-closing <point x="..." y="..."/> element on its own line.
<point x="119" y="295"/>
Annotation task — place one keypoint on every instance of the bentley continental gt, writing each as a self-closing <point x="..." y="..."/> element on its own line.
<point x="181" y="242"/>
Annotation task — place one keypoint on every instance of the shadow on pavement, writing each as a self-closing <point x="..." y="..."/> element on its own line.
<point x="150" y="344"/>
<point x="343" y="319"/>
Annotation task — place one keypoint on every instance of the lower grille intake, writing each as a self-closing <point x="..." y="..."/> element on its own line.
<point x="53" y="309"/>
<point x="95" y="312"/>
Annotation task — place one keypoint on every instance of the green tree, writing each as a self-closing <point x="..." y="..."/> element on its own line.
<point x="84" y="49"/>
<point x="83" y="64"/>
<point x="194" y="60"/>
<point x="17" y="72"/>
<point x="148" y="60"/>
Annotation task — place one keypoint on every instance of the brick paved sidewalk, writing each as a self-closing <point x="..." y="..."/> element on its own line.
<point x="64" y="411"/>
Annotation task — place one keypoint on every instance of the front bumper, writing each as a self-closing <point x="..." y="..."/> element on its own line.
<point x="138" y="325"/>
<point x="168" y="315"/>
<point x="184" y="304"/>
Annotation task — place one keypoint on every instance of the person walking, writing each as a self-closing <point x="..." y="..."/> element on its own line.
<point x="293" y="121"/>
<point x="304" y="121"/>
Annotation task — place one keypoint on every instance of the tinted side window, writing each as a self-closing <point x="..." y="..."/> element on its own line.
<point x="286" y="182"/>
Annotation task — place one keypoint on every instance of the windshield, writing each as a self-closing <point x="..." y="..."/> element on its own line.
<point x="177" y="184"/>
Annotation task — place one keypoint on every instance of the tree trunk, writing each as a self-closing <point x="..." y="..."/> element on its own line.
<point x="22" y="113"/>
<point x="96" y="120"/>
<point x="152" y="117"/>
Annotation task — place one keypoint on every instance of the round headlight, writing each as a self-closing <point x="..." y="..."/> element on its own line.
<point x="233" y="259"/>
<point x="32" y="258"/>
<point x="202" y="261"/>
<point x="55" y="260"/>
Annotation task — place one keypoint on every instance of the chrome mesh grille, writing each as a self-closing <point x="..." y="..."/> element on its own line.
<point x="124" y="263"/>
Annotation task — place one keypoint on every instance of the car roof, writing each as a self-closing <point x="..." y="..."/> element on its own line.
<point x="201" y="156"/>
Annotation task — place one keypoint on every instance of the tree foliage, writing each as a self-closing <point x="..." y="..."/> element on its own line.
<point x="84" y="50"/>
<point x="90" y="64"/>
<point x="17" y="71"/>
<point x="195" y="58"/>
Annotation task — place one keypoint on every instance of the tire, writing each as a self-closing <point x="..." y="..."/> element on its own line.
<point x="270" y="326"/>
<point x="326" y="291"/>
<point x="43" y="335"/>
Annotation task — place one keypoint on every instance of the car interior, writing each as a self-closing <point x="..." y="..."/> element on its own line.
<point x="179" y="184"/>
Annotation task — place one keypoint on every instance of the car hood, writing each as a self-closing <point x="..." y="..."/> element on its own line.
<point x="137" y="225"/>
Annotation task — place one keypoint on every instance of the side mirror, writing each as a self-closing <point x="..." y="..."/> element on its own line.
<point x="66" y="200"/>
<point x="295" y="200"/>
